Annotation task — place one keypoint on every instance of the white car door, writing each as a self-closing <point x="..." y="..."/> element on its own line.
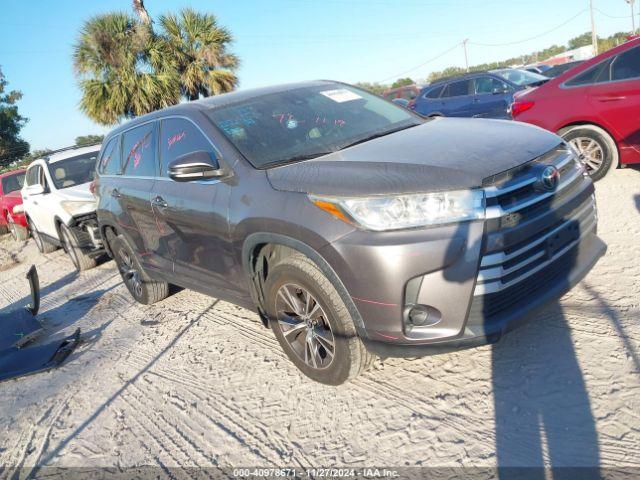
<point x="37" y="200"/>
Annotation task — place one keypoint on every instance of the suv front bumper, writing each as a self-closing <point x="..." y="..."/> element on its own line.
<point x="478" y="279"/>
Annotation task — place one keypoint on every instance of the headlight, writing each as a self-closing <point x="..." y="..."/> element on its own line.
<point x="77" y="207"/>
<point x="17" y="209"/>
<point x="406" y="211"/>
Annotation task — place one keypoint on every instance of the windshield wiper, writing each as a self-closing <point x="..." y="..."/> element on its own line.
<point x="377" y="135"/>
<point x="298" y="158"/>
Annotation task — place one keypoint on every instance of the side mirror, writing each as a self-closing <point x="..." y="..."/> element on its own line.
<point x="36" y="189"/>
<point x="198" y="165"/>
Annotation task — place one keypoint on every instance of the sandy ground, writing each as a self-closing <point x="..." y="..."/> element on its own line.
<point x="193" y="381"/>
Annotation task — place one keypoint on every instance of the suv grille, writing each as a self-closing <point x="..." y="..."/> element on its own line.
<point x="530" y="232"/>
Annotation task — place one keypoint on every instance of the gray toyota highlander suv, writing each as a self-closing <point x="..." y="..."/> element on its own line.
<point x="354" y="227"/>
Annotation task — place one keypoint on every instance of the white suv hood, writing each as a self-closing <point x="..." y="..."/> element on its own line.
<point x="77" y="192"/>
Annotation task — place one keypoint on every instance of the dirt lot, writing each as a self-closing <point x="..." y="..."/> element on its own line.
<point x="193" y="381"/>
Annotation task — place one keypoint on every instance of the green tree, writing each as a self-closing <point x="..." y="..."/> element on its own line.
<point x="123" y="71"/>
<point x="12" y="146"/>
<point x="199" y="47"/>
<point x="375" y="88"/>
<point x="580" y="41"/>
<point x="402" y="82"/>
<point x="89" y="139"/>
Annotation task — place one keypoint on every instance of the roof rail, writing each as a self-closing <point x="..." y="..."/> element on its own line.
<point x="46" y="156"/>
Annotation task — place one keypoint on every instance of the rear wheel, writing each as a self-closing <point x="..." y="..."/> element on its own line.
<point x="312" y="323"/>
<point x="80" y="260"/>
<point x="18" y="232"/>
<point x="597" y="149"/>
<point x="44" y="246"/>
<point x="141" y="287"/>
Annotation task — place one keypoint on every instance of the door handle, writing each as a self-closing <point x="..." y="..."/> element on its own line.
<point x="115" y="193"/>
<point x="611" y="99"/>
<point x="160" y="202"/>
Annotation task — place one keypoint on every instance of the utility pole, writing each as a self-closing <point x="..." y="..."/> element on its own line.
<point x="633" y="17"/>
<point x="466" y="57"/>
<point x="594" y="36"/>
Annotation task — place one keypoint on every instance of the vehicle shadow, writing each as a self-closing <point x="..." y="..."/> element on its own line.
<point x="543" y="416"/>
<point x="636" y="198"/>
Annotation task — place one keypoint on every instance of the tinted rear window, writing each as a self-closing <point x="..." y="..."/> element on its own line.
<point x="626" y="65"/>
<point x="138" y="149"/>
<point x="110" y="160"/>
<point x="458" y="89"/>
<point x="12" y="183"/>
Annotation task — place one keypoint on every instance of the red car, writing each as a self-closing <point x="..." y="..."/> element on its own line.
<point x="594" y="106"/>
<point x="11" y="212"/>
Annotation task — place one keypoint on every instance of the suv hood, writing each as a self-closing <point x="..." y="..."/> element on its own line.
<point x="442" y="154"/>
<point x="77" y="192"/>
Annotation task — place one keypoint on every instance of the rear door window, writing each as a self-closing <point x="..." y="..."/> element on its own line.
<point x="434" y="92"/>
<point x="597" y="74"/>
<point x="626" y="65"/>
<point x="458" y="89"/>
<point x="110" y="160"/>
<point x="179" y="136"/>
<point x="138" y="150"/>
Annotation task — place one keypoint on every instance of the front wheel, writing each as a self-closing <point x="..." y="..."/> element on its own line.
<point x="596" y="148"/>
<point x="80" y="260"/>
<point x="312" y="323"/>
<point x="140" y="286"/>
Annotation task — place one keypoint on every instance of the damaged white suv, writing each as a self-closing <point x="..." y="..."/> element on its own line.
<point x="60" y="207"/>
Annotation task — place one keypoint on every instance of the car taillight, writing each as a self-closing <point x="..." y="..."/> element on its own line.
<point x="411" y="105"/>
<point x="519" y="107"/>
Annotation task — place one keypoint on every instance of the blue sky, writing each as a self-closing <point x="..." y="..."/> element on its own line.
<point x="281" y="41"/>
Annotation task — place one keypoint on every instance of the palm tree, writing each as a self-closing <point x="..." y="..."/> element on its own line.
<point x="123" y="70"/>
<point x="199" y="47"/>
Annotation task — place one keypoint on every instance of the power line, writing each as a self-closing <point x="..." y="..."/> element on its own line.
<point x="626" y="17"/>
<point x="398" y="75"/>
<point x="531" y="38"/>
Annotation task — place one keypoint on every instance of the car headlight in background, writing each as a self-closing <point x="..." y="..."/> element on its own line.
<point x="406" y="211"/>
<point x="17" y="209"/>
<point x="76" y="207"/>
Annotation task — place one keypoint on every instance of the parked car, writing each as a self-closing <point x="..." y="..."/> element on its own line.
<point x="408" y="92"/>
<point x="480" y="95"/>
<point x="354" y="227"/>
<point x="558" y="70"/>
<point x="59" y="206"/>
<point x="539" y="68"/>
<point x="594" y="106"/>
<point x="11" y="211"/>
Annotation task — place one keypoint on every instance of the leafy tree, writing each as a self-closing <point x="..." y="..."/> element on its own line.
<point x="402" y="82"/>
<point x="89" y="139"/>
<point x="199" y="46"/>
<point x="124" y="72"/>
<point x="12" y="146"/>
<point x="580" y="41"/>
<point x="375" y="88"/>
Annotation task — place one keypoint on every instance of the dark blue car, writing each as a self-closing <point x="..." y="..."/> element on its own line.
<point x="481" y="94"/>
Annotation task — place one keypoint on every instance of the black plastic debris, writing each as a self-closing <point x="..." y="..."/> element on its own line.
<point x="19" y="329"/>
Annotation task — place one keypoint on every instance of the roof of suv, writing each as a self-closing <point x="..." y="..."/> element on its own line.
<point x="69" y="152"/>
<point x="218" y="101"/>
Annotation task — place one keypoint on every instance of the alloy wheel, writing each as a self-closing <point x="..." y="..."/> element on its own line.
<point x="305" y="326"/>
<point x="591" y="153"/>
<point x="130" y="273"/>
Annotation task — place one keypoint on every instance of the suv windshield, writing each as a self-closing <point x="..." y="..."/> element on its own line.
<point x="73" y="171"/>
<point x="308" y="122"/>
<point x="521" y="77"/>
<point x="12" y="183"/>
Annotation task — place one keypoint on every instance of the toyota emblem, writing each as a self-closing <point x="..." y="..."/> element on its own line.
<point x="549" y="178"/>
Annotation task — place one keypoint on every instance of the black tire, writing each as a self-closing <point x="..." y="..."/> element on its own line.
<point x="140" y="286"/>
<point x="4" y="229"/>
<point x="81" y="261"/>
<point x="598" y="150"/>
<point x="349" y="357"/>
<point x="18" y="232"/>
<point x="44" y="246"/>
